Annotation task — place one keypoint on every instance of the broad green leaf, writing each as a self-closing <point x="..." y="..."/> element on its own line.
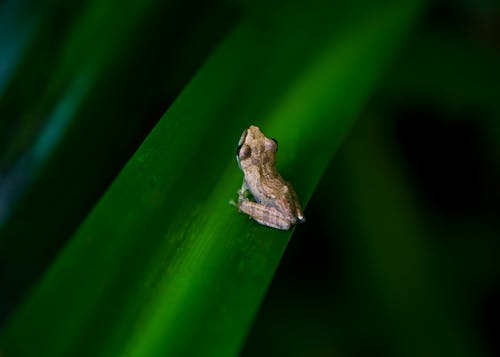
<point x="164" y="265"/>
<point x="77" y="112"/>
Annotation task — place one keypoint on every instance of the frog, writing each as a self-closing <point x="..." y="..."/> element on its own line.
<point x="275" y="203"/>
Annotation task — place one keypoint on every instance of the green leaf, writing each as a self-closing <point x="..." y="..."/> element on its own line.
<point x="164" y="265"/>
<point x="61" y="148"/>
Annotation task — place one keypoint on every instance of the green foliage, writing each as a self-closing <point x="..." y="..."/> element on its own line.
<point x="162" y="264"/>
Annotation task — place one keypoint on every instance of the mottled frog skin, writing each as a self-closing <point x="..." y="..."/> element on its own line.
<point x="276" y="203"/>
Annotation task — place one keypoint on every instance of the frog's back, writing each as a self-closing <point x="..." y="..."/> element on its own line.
<point x="271" y="188"/>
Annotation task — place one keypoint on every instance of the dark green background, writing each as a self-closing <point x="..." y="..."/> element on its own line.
<point x="399" y="254"/>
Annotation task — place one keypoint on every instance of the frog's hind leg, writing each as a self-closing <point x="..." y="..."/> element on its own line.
<point x="268" y="216"/>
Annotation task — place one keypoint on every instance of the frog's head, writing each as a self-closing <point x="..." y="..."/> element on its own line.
<point x="254" y="148"/>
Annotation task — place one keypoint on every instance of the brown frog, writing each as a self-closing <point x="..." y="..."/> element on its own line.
<point x="276" y="203"/>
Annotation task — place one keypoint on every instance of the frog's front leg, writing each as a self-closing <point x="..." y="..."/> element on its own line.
<point x="266" y="215"/>
<point x="242" y="196"/>
<point x="242" y="193"/>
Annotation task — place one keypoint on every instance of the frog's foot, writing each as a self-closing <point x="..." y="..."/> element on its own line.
<point x="243" y="196"/>
<point x="298" y="211"/>
<point x="243" y="191"/>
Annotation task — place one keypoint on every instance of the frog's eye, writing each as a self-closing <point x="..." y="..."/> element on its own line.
<point x="243" y="151"/>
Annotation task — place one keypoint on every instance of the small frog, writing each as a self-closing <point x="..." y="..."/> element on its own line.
<point x="276" y="203"/>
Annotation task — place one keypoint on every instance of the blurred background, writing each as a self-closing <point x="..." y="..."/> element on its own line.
<point x="400" y="253"/>
<point x="399" y="256"/>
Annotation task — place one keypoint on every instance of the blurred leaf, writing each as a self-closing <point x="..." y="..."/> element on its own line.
<point x="400" y="296"/>
<point x="31" y="37"/>
<point x="71" y="139"/>
<point x="458" y="78"/>
<point x="164" y="265"/>
<point x="449" y="72"/>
